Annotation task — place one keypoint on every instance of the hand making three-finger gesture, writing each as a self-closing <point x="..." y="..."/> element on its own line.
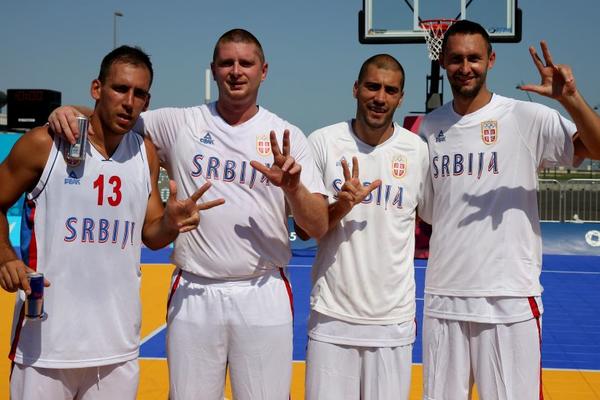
<point x="557" y="80"/>
<point x="185" y="213"/>
<point x="353" y="191"/>
<point x="284" y="172"/>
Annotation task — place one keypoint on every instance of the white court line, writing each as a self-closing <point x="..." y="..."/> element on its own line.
<point x="310" y="266"/>
<point x="543" y="271"/>
<point x="545" y="369"/>
<point x="157" y="264"/>
<point x="415" y="363"/>
<point x="153" y="333"/>
<point x="573" y="272"/>
<point x="570" y="369"/>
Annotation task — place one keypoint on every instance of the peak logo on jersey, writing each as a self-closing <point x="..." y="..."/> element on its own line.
<point x="489" y="131"/>
<point x="440" y="137"/>
<point x="73" y="179"/>
<point x="263" y="145"/>
<point x="207" y="139"/>
<point x="399" y="165"/>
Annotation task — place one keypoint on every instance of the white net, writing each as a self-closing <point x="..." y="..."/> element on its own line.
<point x="435" y="30"/>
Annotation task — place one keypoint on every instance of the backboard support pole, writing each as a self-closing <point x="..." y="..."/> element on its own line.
<point x="434" y="88"/>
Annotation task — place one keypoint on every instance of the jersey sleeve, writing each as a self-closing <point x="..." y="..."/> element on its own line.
<point x="317" y="146"/>
<point x="161" y="127"/>
<point x="550" y="135"/>
<point x="302" y="153"/>
<point x="423" y="131"/>
<point x="425" y="200"/>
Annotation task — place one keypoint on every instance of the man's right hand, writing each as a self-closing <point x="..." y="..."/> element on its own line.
<point x="63" y="121"/>
<point x="13" y="276"/>
<point x="353" y="192"/>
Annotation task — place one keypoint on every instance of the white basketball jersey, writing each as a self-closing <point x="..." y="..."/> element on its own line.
<point x="82" y="229"/>
<point x="486" y="237"/>
<point x="248" y="234"/>
<point x="363" y="272"/>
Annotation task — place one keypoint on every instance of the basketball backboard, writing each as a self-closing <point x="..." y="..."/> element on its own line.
<point x="398" y="21"/>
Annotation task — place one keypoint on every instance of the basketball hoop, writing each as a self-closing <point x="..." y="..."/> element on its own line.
<point x="435" y="29"/>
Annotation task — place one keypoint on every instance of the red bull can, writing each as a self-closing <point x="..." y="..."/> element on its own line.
<point x="77" y="150"/>
<point x="34" y="303"/>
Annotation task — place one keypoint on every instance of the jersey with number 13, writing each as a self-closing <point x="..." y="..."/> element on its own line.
<point x="82" y="229"/>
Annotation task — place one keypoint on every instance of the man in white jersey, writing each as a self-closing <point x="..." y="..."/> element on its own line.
<point x="230" y="304"/>
<point x="362" y="322"/>
<point x="83" y="227"/>
<point x="482" y="290"/>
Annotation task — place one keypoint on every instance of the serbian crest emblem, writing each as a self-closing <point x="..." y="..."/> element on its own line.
<point x="399" y="166"/>
<point x="489" y="131"/>
<point x="263" y="145"/>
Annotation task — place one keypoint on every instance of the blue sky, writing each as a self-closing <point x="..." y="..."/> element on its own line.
<point x="312" y="48"/>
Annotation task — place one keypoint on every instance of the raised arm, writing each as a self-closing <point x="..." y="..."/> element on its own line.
<point x="162" y="225"/>
<point x="19" y="173"/>
<point x="558" y="82"/>
<point x="309" y="209"/>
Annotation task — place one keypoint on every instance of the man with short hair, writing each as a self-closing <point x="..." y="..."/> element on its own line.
<point x="84" y="222"/>
<point x="483" y="305"/>
<point x="230" y="304"/>
<point x="362" y="321"/>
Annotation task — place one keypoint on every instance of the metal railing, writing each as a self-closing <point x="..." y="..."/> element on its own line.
<point x="550" y="200"/>
<point x="574" y="200"/>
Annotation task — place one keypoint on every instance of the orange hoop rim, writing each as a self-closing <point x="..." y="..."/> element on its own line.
<point x="439" y="26"/>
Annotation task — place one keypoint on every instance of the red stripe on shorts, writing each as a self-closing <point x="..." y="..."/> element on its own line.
<point x="173" y="289"/>
<point x="536" y="314"/>
<point x="288" y="287"/>
<point x="12" y="367"/>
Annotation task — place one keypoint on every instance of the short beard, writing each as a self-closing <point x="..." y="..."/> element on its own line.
<point x="460" y="91"/>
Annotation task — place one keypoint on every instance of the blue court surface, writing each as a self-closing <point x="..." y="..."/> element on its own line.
<point x="571" y="321"/>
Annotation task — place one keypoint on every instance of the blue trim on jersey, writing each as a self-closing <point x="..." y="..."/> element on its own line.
<point x="59" y="151"/>
<point x="140" y="139"/>
<point x="27" y="220"/>
<point x="26" y="229"/>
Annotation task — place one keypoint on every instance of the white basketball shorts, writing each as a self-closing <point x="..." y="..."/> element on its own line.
<point x="244" y="325"/>
<point x="504" y="360"/>
<point x="336" y="371"/>
<point x="108" y="382"/>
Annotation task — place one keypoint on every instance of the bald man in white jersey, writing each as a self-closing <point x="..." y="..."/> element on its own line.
<point x="362" y="321"/>
<point x="483" y="304"/>
<point x="84" y="223"/>
<point x="230" y="305"/>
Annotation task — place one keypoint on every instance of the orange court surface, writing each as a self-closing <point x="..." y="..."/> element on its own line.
<point x="558" y="384"/>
